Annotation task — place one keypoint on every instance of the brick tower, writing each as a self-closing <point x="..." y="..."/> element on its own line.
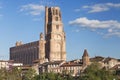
<point x="85" y="58"/>
<point x="55" y="47"/>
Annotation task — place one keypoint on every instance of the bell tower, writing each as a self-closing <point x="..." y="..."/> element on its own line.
<point x="85" y="58"/>
<point x="55" y="47"/>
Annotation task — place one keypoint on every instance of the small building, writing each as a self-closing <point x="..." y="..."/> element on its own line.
<point x="51" y="66"/>
<point x="8" y="64"/>
<point x="4" y="64"/>
<point x="110" y="62"/>
<point x="73" y="68"/>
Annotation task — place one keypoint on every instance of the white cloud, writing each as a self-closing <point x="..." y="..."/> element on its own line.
<point x="48" y="2"/>
<point x="112" y="27"/>
<point x="110" y="30"/>
<point x="37" y="19"/>
<point x="77" y="10"/>
<point x="77" y="30"/>
<point x="32" y="9"/>
<point x="101" y="7"/>
<point x="113" y="5"/>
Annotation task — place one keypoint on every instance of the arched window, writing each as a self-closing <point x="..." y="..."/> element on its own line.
<point x="53" y="12"/>
<point x="56" y="12"/>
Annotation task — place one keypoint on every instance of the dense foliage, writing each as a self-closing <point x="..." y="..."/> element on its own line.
<point x="53" y="76"/>
<point x="95" y="72"/>
<point x="14" y="74"/>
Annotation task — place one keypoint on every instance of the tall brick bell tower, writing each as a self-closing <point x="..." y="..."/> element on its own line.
<point x="55" y="46"/>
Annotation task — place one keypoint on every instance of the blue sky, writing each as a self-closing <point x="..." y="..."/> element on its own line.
<point x="89" y="24"/>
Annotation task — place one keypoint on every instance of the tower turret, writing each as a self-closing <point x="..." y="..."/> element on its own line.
<point x="41" y="48"/>
<point x="85" y="58"/>
<point x="41" y="36"/>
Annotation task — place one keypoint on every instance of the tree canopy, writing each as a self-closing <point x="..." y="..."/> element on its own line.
<point x="96" y="72"/>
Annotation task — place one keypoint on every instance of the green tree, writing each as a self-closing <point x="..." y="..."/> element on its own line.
<point x="2" y="74"/>
<point x="50" y="76"/>
<point x="94" y="72"/>
<point x="29" y="75"/>
<point x="13" y="74"/>
<point x="41" y="76"/>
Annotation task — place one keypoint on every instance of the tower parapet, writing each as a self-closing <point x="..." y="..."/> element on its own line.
<point x="18" y="43"/>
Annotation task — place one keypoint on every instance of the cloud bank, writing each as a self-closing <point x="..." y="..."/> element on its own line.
<point x="32" y="9"/>
<point x="101" y="7"/>
<point x="111" y="27"/>
<point x="36" y="9"/>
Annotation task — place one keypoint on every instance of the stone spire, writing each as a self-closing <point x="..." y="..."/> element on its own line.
<point x="85" y="53"/>
<point x="85" y="58"/>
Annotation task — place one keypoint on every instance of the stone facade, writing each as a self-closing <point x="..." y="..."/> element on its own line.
<point x="53" y="66"/>
<point x="8" y="64"/>
<point x="51" y="47"/>
<point x="4" y="64"/>
<point x="54" y="35"/>
<point x="25" y="53"/>
<point x="74" y="67"/>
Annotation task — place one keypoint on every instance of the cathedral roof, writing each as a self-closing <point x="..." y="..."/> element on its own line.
<point x="85" y="53"/>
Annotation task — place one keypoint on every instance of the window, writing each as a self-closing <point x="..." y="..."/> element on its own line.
<point x="57" y="27"/>
<point x="53" y="12"/>
<point x="56" y="18"/>
<point x="56" y="12"/>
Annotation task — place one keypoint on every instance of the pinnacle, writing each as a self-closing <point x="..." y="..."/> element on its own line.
<point x="85" y="53"/>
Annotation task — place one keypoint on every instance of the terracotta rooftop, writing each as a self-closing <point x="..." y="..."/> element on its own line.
<point x="50" y="63"/>
<point x="71" y="64"/>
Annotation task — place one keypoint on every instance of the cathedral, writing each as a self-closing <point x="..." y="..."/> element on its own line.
<point x="48" y="54"/>
<point x="50" y="47"/>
